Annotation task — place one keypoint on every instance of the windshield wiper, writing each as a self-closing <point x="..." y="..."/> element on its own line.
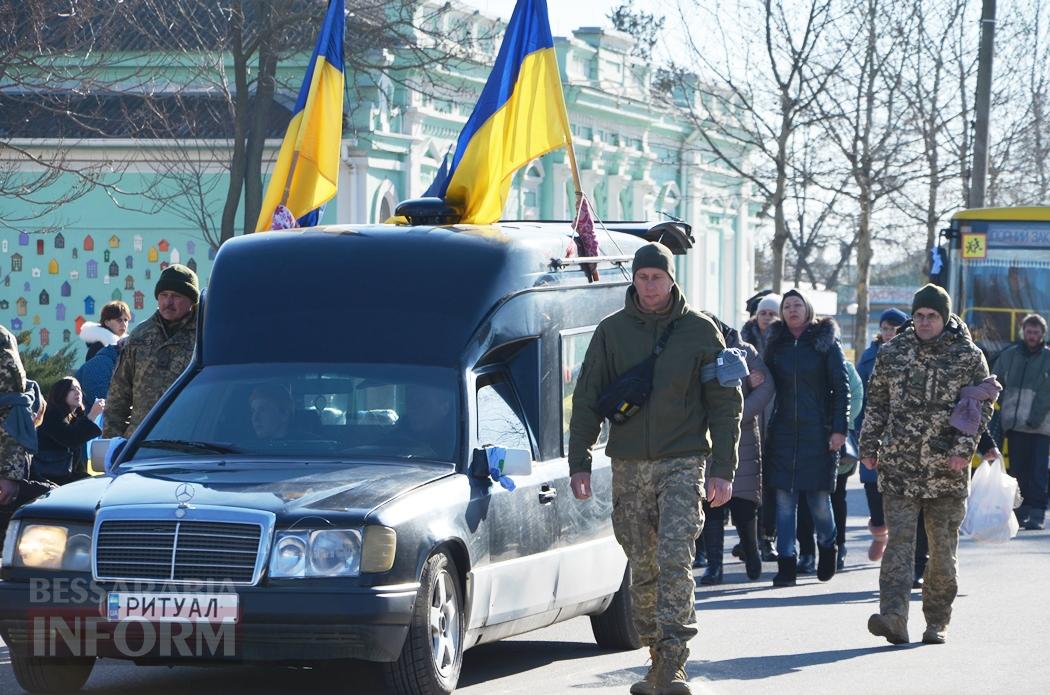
<point x="189" y="446"/>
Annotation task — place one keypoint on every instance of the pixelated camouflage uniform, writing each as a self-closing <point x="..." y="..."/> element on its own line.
<point x="14" y="459"/>
<point x="150" y="360"/>
<point x="910" y="398"/>
<point x="658" y="456"/>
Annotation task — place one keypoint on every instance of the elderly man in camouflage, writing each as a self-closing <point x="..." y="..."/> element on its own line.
<point x="155" y="353"/>
<point x="923" y="462"/>
<point x="658" y="455"/>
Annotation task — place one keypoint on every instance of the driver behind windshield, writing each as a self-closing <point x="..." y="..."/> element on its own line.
<point x="271" y="412"/>
<point x="425" y="425"/>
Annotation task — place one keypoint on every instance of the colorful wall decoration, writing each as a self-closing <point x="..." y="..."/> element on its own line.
<point x="124" y="266"/>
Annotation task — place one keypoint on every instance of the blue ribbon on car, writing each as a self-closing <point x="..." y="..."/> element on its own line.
<point x="496" y="456"/>
<point x="729" y="368"/>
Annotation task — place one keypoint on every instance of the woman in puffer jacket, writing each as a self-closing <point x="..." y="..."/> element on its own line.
<point x="747" y="485"/>
<point x="809" y="426"/>
<point x="112" y="326"/>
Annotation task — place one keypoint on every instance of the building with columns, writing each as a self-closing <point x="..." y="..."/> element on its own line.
<point x="640" y="158"/>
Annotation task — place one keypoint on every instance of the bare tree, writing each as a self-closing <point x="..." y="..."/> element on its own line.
<point x="761" y="93"/>
<point x="865" y="116"/>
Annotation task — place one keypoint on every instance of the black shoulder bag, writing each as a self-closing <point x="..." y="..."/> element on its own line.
<point x="628" y="393"/>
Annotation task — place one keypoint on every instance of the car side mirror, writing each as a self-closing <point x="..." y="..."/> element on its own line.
<point x="514" y="463"/>
<point x="100" y="450"/>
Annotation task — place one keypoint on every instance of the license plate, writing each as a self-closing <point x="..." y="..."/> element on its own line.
<point x="160" y="608"/>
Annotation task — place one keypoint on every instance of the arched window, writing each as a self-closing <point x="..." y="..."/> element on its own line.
<point x="670" y="197"/>
<point x="384" y="203"/>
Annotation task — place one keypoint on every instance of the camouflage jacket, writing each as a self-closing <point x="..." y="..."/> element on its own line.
<point x="910" y="398"/>
<point x="14" y="459"/>
<point x="150" y="360"/>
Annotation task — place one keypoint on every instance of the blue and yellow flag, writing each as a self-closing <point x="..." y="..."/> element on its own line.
<point x="306" y="174"/>
<point x="520" y="116"/>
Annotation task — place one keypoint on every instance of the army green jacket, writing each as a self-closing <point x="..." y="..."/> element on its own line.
<point x="910" y="398"/>
<point x="150" y="360"/>
<point x="682" y="417"/>
<point x="14" y="459"/>
<point x="1025" y="402"/>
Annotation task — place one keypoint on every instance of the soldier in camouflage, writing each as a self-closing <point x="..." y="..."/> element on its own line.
<point x="155" y="353"/>
<point x="658" y="455"/>
<point x="14" y="459"/>
<point x="923" y="461"/>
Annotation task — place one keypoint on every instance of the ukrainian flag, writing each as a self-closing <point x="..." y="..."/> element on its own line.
<point x="307" y="170"/>
<point x="520" y="116"/>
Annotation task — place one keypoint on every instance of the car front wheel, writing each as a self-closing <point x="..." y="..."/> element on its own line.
<point x="38" y="674"/>
<point x="432" y="656"/>
<point x="613" y="628"/>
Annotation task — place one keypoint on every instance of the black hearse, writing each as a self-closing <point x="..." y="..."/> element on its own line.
<point x="317" y="479"/>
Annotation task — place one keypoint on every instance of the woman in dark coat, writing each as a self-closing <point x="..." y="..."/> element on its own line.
<point x="747" y="485"/>
<point x="67" y="427"/>
<point x="809" y="425"/>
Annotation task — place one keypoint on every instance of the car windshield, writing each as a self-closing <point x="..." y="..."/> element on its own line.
<point x="339" y="411"/>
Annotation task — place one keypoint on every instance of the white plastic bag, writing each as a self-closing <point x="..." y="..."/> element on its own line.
<point x="989" y="510"/>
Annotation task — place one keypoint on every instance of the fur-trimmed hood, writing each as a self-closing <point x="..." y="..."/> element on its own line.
<point x="824" y="333"/>
<point x="92" y="332"/>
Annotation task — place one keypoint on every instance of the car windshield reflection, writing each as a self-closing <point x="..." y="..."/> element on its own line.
<point x="374" y="411"/>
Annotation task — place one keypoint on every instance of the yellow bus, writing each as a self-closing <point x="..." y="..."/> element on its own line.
<point x="998" y="270"/>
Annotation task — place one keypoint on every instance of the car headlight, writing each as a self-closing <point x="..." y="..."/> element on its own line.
<point x="325" y="553"/>
<point x="55" y="546"/>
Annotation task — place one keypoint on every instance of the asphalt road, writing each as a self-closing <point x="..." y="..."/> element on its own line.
<point x="753" y="639"/>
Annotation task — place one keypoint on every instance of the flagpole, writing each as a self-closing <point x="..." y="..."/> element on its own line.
<point x="288" y="180"/>
<point x="575" y="171"/>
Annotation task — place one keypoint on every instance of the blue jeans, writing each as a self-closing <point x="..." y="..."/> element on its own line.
<point x="787" y="517"/>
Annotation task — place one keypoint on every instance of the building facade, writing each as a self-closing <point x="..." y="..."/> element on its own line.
<point x="640" y="158"/>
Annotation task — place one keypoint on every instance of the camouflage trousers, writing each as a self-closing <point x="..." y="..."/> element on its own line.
<point x="656" y="518"/>
<point x="943" y="516"/>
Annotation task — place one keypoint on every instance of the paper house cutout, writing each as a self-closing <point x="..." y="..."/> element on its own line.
<point x="139" y="299"/>
<point x="116" y="296"/>
<point x="129" y="262"/>
<point x="137" y="242"/>
<point x="40" y="247"/>
<point x="66" y="290"/>
<point x="129" y="282"/>
<point x="36" y="319"/>
<point x="105" y="280"/>
<point x="105" y="256"/>
<point x="163" y="245"/>
<point x="45" y="337"/>
<point x="21" y="306"/>
<point x="192" y="265"/>
<point x="76" y="253"/>
<point x="60" y="241"/>
<point x="175" y="257"/>
<point x="3" y="245"/>
<point x="92" y="268"/>
<point x="26" y="287"/>
<point x="89" y="243"/>
<point x="191" y="247"/>
<point x="151" y="255"/>
<point x="114" y="242"/>
<point x="66" y="335"/>
<point x="52" y="267"/>
<point x="16" y="263"/>
<point x="35" y="272"/>
<point x="16" y="324"/>
<point x="114" y="269"/>
<point x="60" y="312"/>
<point x="211" y="253"/>
<point x="164" y="266"/>
<point x="148" y="273"/>
<point x="4" y="305"/>
<point x="44" y="298"/>
<point x="89" y="305"/>
<point x="79" y="323"/>
<point x="74" y="275"/>
<point x="23" y="239"/>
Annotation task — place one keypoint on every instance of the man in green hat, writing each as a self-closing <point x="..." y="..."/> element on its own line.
<point x="659" y="454"/>
<point x="155" y="353"/>
<point x="922" y="458"/>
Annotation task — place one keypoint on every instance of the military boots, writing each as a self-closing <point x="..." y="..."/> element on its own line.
<point x="648" y="685"/>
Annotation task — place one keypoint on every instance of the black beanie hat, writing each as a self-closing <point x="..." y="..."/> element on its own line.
<point x="178" y="278"/>
<point x="653" y="255"/>
<point x="933" y="297"/>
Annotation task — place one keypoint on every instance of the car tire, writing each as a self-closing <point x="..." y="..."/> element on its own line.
<point x="37" y="674"/>
<point x="614" y="628"/>
<point x="432" y="655"/>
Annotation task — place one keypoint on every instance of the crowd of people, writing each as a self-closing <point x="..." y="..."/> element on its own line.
<point x="773" y="443"/>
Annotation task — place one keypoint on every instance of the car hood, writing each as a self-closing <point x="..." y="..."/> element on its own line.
<point x="293" y="489"/>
